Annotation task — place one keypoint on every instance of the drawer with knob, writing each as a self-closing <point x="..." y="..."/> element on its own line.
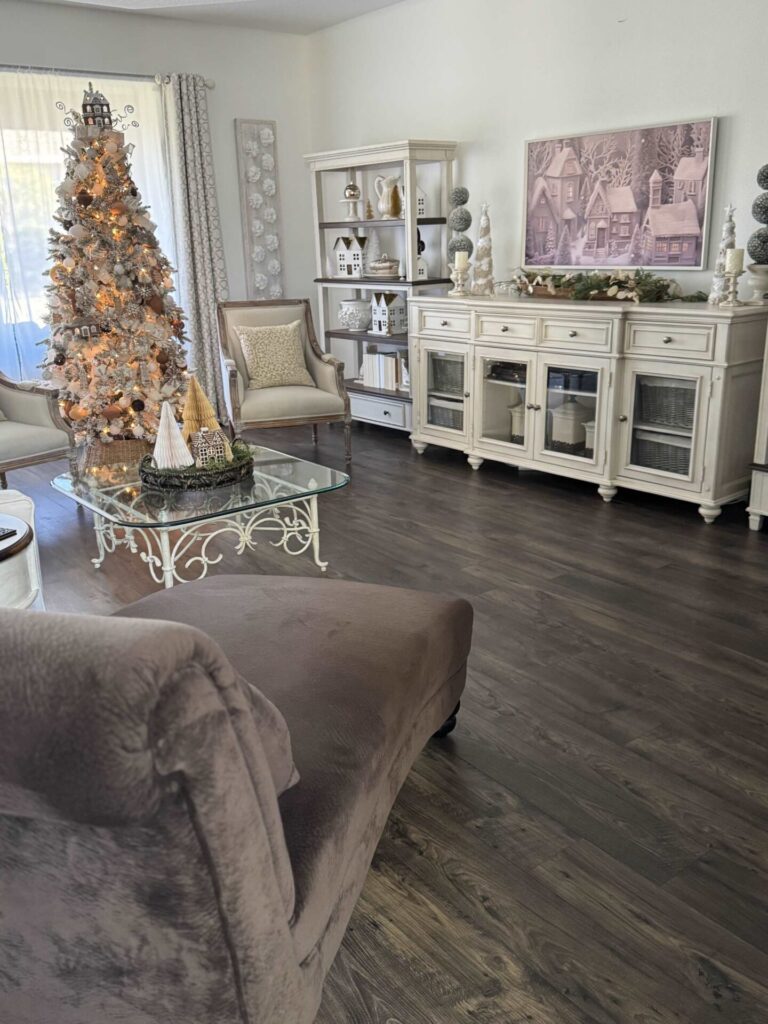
<point x="592" y="334"/>
<point x="446" y="324"/>
<point x="379" y="410"/>
<point x="672" y="339"/>
<point x="500" y="328"/>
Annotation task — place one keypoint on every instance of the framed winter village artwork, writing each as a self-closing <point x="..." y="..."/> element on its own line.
<point x="635" y="197"/>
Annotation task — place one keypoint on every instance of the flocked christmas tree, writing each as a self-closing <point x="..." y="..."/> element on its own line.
<point x="727" y="241"/>
<point x="482" y="280"/>
<point x="563" y="257"/>
<point x="116" y="350"/>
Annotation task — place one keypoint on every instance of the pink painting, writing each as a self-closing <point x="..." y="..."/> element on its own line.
<point x="634" y="198"/>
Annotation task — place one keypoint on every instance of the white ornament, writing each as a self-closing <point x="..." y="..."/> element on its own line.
<point x="260" y="282"/>
<point x="269" y="187"/>
<point x="276" y="291"/>
<point x="253" y="175"/>
<point x="272" y="243"/>
<point x="259" y="254"/>
<point x="270" y="215"/>
<point x="257" y="227"/>
<point x="268" y="162"/>
<point x="482" y="281"/>
<point x="255" y="200"/>
<point x="266" y="135"/>
<point x="274" y="267"/>
<point x="727" y="241"/>
<point x="251" y="147"/>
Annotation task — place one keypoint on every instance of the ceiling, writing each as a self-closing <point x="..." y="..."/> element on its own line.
<point x="297" y="16"/>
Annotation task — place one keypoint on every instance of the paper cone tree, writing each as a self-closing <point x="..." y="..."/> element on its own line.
<point x="170" y="452"/>
<point x="199" y="414"/>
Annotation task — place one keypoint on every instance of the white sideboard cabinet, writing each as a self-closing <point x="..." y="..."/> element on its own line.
<point x="659" y="398"/>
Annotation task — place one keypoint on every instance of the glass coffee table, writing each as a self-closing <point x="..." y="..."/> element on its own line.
<point x="172" y="531"/>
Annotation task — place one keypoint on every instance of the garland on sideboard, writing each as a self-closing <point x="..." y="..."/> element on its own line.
<point x="596" y="286"/>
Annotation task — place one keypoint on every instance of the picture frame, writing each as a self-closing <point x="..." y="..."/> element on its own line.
<point x="621" y="198"/>
<point x="260" y="207"/>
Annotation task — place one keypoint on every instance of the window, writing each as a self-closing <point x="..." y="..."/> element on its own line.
<point x="32" y="166"/>
<point x="691" y="188"/>
<point x="554" y="190"/>
<point x="542" y="223"/>
<point x="675" y="246"/>
<point x="569" y="191"/>
<point x="661" y="247"/>
<point x="542" y="200"/>
<point x="592" y="229"/>
<point x="624" y="218"/>
<point x="624" y="231"/>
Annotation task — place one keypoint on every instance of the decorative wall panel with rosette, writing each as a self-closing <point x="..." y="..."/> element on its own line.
<point x="260" y="207"/>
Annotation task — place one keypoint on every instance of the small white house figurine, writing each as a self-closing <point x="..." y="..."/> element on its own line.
<point x="351" y="256"/>
<point x="421" y="201"/>
<point x="388" y="314"/>
<point x="210" y="446"/>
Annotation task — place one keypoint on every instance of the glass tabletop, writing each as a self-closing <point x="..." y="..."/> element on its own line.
<point x="117" y="493"/>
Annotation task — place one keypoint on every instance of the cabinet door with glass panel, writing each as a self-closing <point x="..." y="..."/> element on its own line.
<point x="663" y="416"/>
<point x="570" y="409"/>
<point x="444" y="395"/>
<point x="503" y="404"/>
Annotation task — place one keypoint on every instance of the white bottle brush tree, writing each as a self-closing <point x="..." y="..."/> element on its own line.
<point x="117" y="337"/>
<point x="482" y="281"/>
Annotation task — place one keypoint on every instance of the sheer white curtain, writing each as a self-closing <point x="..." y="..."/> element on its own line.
<point x="32" y="165"/>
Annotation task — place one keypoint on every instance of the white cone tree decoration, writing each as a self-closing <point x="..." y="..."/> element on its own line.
<point x="482" y="281"/>
<point x="170" y="452"/>
<point x="727" y="241"/>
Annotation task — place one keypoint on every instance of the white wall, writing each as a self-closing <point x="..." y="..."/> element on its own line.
<point x="257" y="74"/>
<point x="492" y="73"/>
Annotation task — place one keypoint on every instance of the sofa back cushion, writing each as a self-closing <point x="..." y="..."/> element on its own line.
<point x="274" y="355"/>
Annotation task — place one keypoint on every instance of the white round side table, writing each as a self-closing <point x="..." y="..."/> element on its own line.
<point x="19" y="585"/>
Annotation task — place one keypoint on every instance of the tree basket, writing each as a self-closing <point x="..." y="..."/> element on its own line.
<point x="194" y="478"/>
<point x="116" y="453"/>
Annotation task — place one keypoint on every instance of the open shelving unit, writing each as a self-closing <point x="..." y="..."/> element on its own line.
<point x="424" y="167"/>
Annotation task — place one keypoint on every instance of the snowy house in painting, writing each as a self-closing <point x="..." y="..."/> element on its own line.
<point x="543" y="222"/>
<point x="388" y="313"/>
<point x="611" y="218"/>
<point x="350" y="253"/>
<point x="690" y="181"/>
<point x="671" y="231"/>
<point x="563" y="180"/>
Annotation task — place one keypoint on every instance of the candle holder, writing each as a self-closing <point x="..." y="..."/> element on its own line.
<point x="460" y="277"/>
<point x="732" y="287"/>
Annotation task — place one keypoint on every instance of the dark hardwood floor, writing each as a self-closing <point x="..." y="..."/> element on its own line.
<point x="591" y="845"/>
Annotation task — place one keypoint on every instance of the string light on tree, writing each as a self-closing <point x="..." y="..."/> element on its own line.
<point x="117" y="337"/>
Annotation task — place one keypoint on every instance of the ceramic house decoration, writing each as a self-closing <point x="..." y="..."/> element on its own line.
<point x="388" y="314"/>
<point x="96" y="110"/>
<point x="351" y="256"/>
<point x="210" y="446"/>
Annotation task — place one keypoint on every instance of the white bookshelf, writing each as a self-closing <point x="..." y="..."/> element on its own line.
<point x="420" y="164"/>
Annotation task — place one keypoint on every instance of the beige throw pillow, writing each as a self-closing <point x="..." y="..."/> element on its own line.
<point x="274" y="355"/>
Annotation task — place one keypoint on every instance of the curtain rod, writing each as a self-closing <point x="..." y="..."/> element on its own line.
<point x="94" y="74"/>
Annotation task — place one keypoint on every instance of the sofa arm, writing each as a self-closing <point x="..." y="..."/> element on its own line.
<point x="30" y="403"/>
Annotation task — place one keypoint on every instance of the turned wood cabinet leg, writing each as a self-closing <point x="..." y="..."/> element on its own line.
<point x="607" y="493"/>
<point x="3" y="482"/>
<point x="755" y="521"/>
<point x="347" y="442"/>
<point x="475" y="461"/>
<point x="420" y="446"/>
<point x="709" y="513"/>
<point x="314" y="433"/>
<point x="448" y="725"/>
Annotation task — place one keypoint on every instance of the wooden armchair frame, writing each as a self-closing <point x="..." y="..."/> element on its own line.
<point x="51" y="396"/>
<point x="325" y="358"/>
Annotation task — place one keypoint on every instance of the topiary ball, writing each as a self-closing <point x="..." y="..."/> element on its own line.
<point x="459" y="244"/>
<point x="762" y="176"/>
<point x="459" y="219"/>
<point x="757" y="246"/>
<point x="459" y="196"/>
<point x="760" y="208"/>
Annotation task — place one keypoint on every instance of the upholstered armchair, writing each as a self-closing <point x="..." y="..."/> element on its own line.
<point x="31" y="427"/>
<point x="289" y="406"/>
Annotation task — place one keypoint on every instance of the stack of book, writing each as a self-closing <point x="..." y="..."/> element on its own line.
<point x="386" y="370"/>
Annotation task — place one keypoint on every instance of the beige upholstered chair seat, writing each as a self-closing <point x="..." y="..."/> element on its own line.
<point x="19" y="440"/>
<point x="290" y="405"/>
<point x="279" y="403"/>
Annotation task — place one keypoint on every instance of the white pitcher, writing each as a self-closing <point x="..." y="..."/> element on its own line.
<point x="385" y="190"/>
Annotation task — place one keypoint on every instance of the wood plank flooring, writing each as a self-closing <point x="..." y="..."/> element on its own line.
<point x="591" y="845"/>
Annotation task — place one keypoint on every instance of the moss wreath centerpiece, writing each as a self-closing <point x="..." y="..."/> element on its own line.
<point x="597" y="286"/>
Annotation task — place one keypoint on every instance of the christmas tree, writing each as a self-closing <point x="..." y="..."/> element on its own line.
<point x="727" y="241"/>
<point x="482" y="281"/>
<point x="116" y="350"/>
<point x="563" y="257"/>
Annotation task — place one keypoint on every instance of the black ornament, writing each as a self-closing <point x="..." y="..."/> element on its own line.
<point x="760" y="208"/>
<point x="757" y="246"/>
<point x="134" y="191"/>
<point x="137" y="405"/>
<point x="59" y="359"/>
<point x="762" y="176"/>
<point x="67" y="224"/>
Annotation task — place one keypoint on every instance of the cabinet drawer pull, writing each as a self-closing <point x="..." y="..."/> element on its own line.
<point x="443" y="323"/>
<point x="530" y="405"/>
<point x="504" y="329"/>
<point x="466" y="394"/>
<point x="622" y="418"/>
<point x="668" y="340"/>
<point x="386" y="412"/>
<point x="572" y="334"/>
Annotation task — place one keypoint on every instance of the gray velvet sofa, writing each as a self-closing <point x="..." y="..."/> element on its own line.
<point x="191" y="791"/>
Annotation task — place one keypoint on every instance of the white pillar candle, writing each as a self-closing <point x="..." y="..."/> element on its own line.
<point x="461" y="259"/>
<point x="734" y="261"/>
